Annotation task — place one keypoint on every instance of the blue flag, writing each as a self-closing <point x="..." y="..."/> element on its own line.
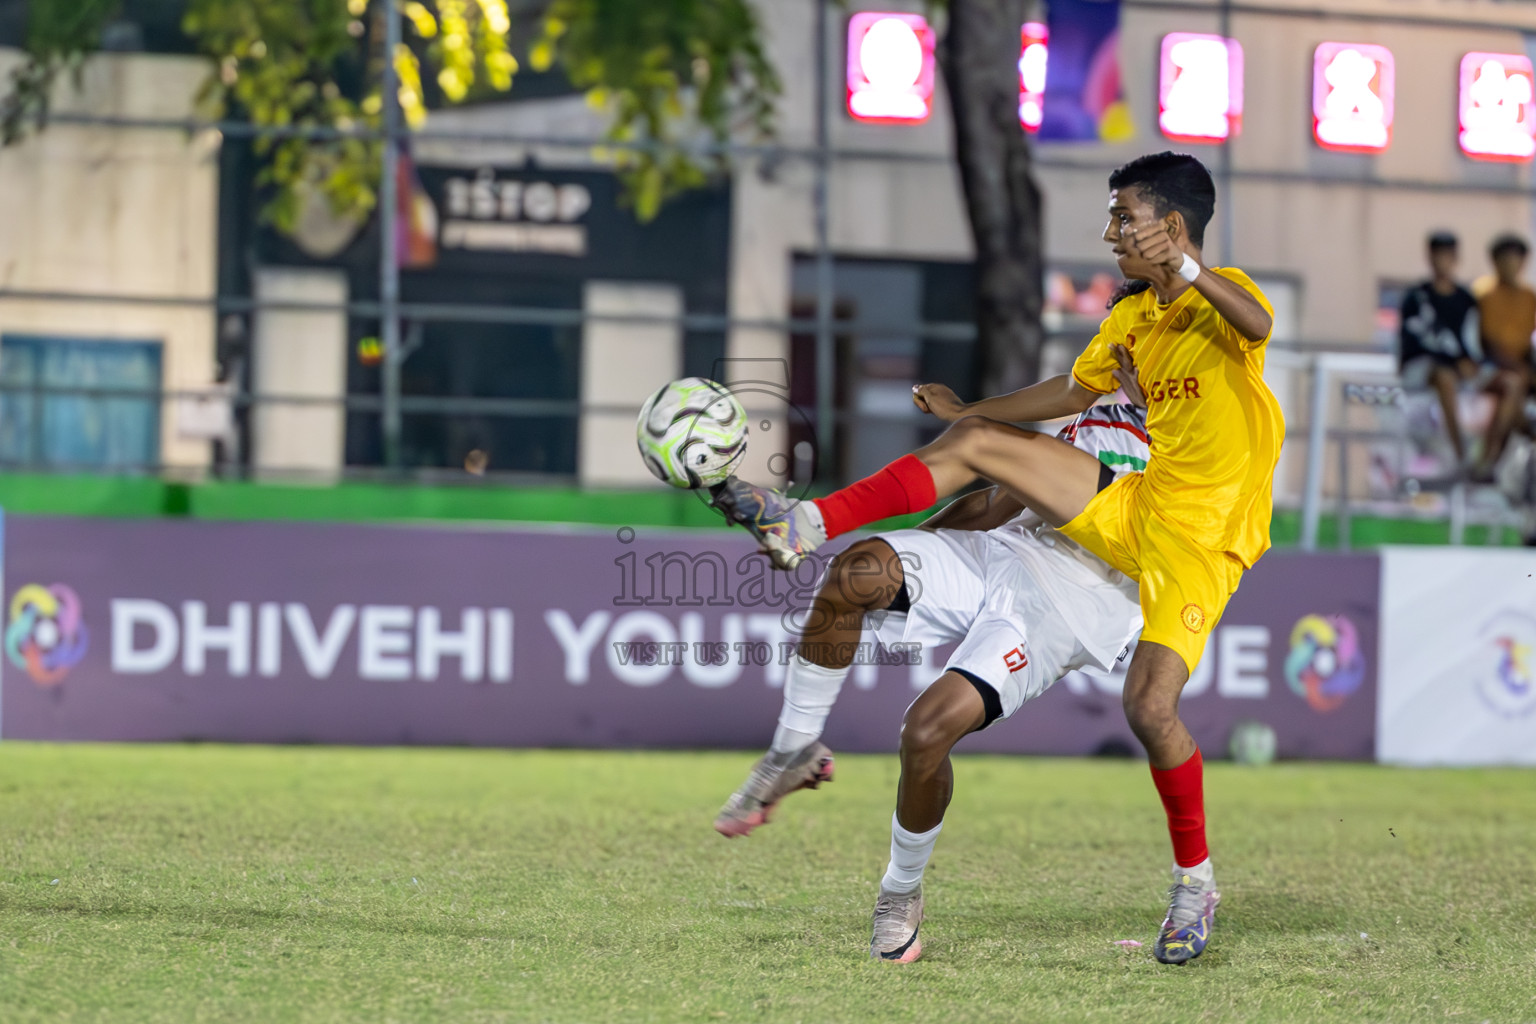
<point x="1084" y="100"/>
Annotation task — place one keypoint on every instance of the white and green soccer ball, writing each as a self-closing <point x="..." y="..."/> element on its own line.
<point x="692" y="433"/>
<point x="1252" y="742"/>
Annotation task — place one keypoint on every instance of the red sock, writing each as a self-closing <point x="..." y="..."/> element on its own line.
<point x="1183" y="793"/>
<point x="904" y="486"/>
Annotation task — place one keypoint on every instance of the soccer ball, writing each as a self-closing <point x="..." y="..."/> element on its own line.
<point x="692" y="433"/>
<point x="1252" y="742"/>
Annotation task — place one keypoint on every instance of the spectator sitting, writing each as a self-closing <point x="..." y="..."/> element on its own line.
<point x="1507" y="312"/>
<point x="1438" y="344"/>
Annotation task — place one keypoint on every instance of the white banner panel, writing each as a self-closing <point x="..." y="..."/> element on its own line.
<point x="1458" y="656"/>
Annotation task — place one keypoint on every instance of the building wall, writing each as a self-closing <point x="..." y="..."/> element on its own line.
<point x="299" y="354"/>
<point x="117" y="212"/>
<point x="622" y="364"/>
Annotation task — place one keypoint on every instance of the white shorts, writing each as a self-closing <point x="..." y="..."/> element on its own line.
<point x="971" y="587"/>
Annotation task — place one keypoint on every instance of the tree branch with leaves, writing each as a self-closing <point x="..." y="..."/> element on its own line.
<point x="60" y="35"/>
<point x="669" y="72"/>
<point x="317" y="64"/>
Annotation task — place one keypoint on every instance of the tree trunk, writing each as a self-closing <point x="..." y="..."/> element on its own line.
<point x="980" y="58"/>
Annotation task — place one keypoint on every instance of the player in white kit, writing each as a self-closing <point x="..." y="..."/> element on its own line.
<point x="1026" y="606"/>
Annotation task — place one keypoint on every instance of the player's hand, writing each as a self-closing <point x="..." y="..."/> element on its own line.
<point x="1155" y="245"/>
<point x="1126" y="376"/>
<point x="1466" y="368"/>
<point x="938" y="400"/>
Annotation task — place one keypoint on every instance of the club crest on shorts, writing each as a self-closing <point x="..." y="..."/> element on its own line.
<point x="1016" y="659"/>
<point x="1194" y="618"/>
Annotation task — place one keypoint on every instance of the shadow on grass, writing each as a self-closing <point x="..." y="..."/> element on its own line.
<point x="257" y="918"/>
<point x="1285" y="911"/>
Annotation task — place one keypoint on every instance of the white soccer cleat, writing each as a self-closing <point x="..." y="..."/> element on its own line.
<point x="897" y="918"/>
<point x="767" y="784"/>
<point x="786" y="529"/>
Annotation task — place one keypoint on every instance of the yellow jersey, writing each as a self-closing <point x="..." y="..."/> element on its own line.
<point x="1507" y="316"/>
<point x="1215" y="427"/>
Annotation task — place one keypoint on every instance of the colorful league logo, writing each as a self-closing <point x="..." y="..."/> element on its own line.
<point x="1514" y="669"/>
<point x="1506" y="681"/>
<point x="46" y="635"/>
<point x="1325" y="664"/>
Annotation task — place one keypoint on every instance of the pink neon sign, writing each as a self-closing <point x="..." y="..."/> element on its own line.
<point x="1033" y="43"/>
<point x="1498" y="115"/>
<point x="1200" y="87"/>
<point x="1352" y="95"/>
<point x="890" y="68"/>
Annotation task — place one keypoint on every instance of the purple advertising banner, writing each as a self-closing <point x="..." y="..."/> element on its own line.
<point x="334" y="633"/>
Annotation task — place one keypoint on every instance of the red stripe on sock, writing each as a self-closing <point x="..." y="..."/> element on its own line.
<point x="906" y="485"/>
<point x="1183" y="793"/>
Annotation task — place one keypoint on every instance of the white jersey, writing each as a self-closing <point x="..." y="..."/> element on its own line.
<point x="1024" y="603"/>
<point x="1116" y="435"/>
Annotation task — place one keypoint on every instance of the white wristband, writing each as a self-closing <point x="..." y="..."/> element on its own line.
<point x="1190" y="269"/>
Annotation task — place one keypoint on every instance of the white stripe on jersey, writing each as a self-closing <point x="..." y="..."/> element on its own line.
<point x="1116" y="435"/>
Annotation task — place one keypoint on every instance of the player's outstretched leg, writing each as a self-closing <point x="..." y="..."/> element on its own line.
<point x="1046" y="474"/>
<point x="1151" y="697"/>
<point x="865" y="577"/>
<point x="947" y="711"/>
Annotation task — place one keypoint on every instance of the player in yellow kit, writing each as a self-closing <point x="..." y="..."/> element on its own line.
<point x="1193" y="340"/>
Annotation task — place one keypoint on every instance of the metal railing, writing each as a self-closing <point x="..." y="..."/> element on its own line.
<point x="1340" y="383"/>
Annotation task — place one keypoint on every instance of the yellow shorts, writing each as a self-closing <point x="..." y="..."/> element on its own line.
<point x="1184" y="586"/>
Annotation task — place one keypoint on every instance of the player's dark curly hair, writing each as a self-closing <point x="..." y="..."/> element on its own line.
<point x="1172" y="181"/>
<point x="1126" y="290"/>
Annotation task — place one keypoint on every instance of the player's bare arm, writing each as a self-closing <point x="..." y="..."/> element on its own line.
<point x="1152" y="248"/>
<point x="1159" y="246"/>
<point x="1048" y="400"/>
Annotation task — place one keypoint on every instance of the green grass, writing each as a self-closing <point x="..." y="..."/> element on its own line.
<point x="206" y="883"/>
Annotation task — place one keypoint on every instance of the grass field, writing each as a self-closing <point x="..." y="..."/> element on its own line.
<point x="207" y="883"/>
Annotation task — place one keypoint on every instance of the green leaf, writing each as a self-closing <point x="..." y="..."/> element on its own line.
<point x="637" y="58"/>
<point x="648" y="188"/>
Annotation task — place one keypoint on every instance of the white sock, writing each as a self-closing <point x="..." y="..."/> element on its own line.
<point x="816" y="517"/>
<point x="809" y="693"/>
<point x="1202" y="872"/>
<point x="909" y="857"/>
